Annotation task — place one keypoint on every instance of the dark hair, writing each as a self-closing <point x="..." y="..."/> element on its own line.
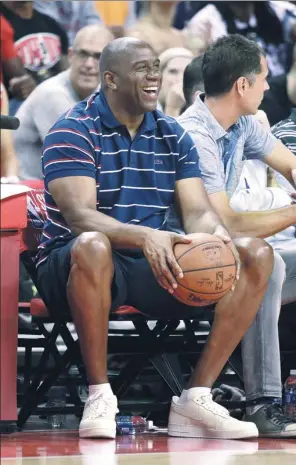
<point x="228" y="59"/>
<point x="269" y="27"/>
<point x="193" y="79"/>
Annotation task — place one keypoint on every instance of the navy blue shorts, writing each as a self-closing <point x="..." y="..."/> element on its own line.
<point x="133" y="284"/>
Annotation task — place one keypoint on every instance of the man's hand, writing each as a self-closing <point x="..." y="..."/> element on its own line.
<point x="21" y="87"/>
<point x="223" y="234"/>
<point x="174" y="101"/>
<point x="158" y="248"/>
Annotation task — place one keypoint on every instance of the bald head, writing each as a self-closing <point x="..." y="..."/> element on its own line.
<point x="120" y="51"/>
<point x="93" y="33"/>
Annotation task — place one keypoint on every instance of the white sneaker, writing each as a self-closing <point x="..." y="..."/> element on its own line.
<point x="201" y="417"/>
<point x="98" y="420"/>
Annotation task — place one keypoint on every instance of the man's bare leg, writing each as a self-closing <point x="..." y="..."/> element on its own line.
<point x="89" y="296"/>
<point x="235" y="313"/>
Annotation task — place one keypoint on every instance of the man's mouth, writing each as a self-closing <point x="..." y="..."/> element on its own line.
<point x="151" y="90"/>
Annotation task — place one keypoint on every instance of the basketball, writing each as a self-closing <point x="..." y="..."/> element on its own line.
<point x="209" y="270"/>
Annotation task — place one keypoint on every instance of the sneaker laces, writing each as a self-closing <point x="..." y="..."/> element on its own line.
<point x="275" y="413"/>
<point x="98" y="405"/>
<point x="208" y="403"/>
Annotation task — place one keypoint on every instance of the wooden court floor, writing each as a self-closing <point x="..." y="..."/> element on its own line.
<point x="65" y="448"/>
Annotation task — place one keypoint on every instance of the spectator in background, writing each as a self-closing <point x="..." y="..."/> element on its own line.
<point x="172" y="65"/>
<point x="281" y="97"/>
<point x="40" y="42"/>
<point x="185" y="11"/>
<point x="9" y="163"/>
<point x="193" y="80"/>
<point x="71" y="15"/>
<point x="286" y="131"/>
<point x="270" y="23"/>
<point x="55" y="96"/>
<point x="20" y="83"/>
<point x="117" y="15"/>
<point x="155" y="26"/>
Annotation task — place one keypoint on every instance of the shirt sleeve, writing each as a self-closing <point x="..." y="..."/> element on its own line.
<point x="259" y="143"/>
<point x="188" y="160"/>
<point x="68" y="151"/>
<point x="211" y="167"/>
<point x="8" y="50"/>
<point x="57" y="104"/>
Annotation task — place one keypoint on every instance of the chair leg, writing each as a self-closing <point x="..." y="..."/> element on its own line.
<point x="128" y="374"/>
<point x="37" y="395"/>
<point x="169" y="368"/>
<point x="30" y="397"/>
<point x="28" y="365"/>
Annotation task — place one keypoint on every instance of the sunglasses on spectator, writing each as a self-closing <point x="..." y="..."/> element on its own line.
<point x="84" y="55"/>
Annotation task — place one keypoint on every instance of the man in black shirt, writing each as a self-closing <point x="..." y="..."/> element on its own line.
<point x="41" y="43"/>
<point x="281" y="97"/>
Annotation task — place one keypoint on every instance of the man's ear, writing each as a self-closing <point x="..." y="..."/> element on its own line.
<point x="110" y="80"/>
<point x="242" y="85"/>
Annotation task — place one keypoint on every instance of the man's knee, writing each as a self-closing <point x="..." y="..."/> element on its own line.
<point x="257" y="257"/>
<point x="92" y="252"/>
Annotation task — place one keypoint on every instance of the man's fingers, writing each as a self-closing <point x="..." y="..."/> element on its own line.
<point x="167" y="274"/>
<point x="158" y="275"/>
<point x="174" y="266"/>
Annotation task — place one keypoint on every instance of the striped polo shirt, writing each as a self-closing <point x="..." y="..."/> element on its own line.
<point x="135" y="179"/>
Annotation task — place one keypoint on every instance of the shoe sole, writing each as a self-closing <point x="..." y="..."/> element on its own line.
<point x="196" y="432"/>
<point x="97" y="433"/>
<point x="285" y="435"/>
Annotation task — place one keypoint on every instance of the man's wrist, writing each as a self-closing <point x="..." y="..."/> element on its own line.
<point x="221" y="229"/>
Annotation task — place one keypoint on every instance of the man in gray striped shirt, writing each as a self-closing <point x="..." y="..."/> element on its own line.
<point x="225" y="134"/>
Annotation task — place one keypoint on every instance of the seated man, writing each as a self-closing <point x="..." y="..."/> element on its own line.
<point x="193" y="81"/>
<point x="55" y="96"/>
<point x="112" y="165"/>
<point x="234" y="75"/>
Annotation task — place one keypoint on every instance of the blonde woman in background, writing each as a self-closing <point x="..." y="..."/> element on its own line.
<point x="172" y="65"/>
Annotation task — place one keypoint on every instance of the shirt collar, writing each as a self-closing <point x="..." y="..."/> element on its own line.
<point x="109" y="120"/>
<point x="293" y="115"/>
<point x="216" y="129"/>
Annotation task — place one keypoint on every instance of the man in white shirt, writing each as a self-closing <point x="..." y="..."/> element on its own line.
<point x="56" y="95"/>
<point x="225" y="135"/>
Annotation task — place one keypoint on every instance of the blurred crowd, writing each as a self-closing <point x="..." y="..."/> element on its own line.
<point x="50" y="52"/>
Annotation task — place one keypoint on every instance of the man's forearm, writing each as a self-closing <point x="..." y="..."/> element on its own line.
<point x="121" y="235"/>
<point x="206" y="222"/>
<point x="261" y="224"/>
